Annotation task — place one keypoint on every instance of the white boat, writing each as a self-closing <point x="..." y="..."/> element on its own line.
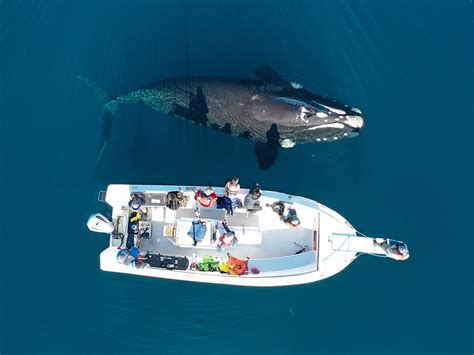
<point x="152" y="239"/>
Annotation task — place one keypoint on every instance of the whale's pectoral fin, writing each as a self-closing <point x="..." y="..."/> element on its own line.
<point x="267" y="73"/>
<point x="267" y="153"/>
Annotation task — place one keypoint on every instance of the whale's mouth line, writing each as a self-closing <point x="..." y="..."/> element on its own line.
<point x="343" y="126"/>
<point x="337" y="125"/>
<point x="343" y="130"/>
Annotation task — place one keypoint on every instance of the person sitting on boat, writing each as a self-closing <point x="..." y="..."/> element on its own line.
<point x="227" y="237"/>
<point x="277" y="207"/>
<point x="136" y="202"/>
<point x="393" y="248"/>
<point x="224" y="202"/>
<point x="206" y="198"/>
<point x="133" y="257"/>
<point x="291" y="218"/>
<point x="232" y="188"/>
<point x="251" y="202"/>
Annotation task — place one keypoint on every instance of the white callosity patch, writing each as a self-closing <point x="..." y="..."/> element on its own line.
<point x="329" y="125"/>
<point x="335" y="110"/>
<point x="305" y="113"/>
<point x="296" y="85"/>
<point x="321" y="115"/>
<point x="355" y="109"/>
<point x="287" y="143"/>
<point x="150" y="97"/>
<point x="354" y="121"/>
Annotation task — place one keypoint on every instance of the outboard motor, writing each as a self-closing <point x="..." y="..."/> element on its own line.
<point x="100" y="224"/>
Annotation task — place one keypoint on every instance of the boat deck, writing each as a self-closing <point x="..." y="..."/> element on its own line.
<point x="277" y="241"/>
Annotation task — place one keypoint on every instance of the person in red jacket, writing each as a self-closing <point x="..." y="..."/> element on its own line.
<point x="206" y="198"/>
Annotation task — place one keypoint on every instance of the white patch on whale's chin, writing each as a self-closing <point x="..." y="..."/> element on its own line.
<point x="329" y="125"/>
<point x="354" y="121"/>
<point x="288" y="143"/>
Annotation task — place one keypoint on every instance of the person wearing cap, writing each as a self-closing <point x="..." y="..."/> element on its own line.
<point x="394" y="249"/>
<point x="136" y="202"/>
<point x="251" y="202"/>
<point x="206" y="198"/>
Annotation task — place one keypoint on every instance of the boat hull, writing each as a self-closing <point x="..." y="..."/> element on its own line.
<point x="275" y="267"/>
<point x="108" y="263"/>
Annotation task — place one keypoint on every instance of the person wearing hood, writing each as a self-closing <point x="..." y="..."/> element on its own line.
<point x="394" y="249"/>
<point x="206" y="198"/>
<point x="251" y="202"/>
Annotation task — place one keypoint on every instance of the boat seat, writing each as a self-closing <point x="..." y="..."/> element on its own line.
<point x="205" y="213"/>
<point x="178" y="234"/>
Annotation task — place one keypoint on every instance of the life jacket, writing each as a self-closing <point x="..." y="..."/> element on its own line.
<point x="208" y="264"/>
<point x="237" y="266"/>
<point x="224" y="267"/>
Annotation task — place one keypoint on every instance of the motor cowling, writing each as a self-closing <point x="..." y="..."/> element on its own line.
<point x="100" y="224"/>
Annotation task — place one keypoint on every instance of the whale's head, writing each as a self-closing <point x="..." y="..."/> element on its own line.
<point x="318" y="119"/>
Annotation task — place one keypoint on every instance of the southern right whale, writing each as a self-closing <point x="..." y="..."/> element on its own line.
<point x="271" y="111"/>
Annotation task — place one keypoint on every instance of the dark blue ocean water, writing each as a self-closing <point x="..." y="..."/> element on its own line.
<point x="407" y="64"/>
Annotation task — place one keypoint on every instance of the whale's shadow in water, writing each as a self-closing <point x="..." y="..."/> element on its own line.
<point x="267" y="153"/>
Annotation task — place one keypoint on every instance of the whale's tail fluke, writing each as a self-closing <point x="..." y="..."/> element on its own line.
<point x="96" y="89"/>
<point x="109" y="107"/>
